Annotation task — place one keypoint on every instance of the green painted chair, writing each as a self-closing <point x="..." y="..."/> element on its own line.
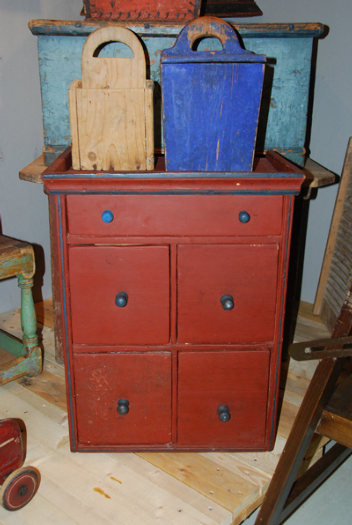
<point x="25" y="359"/>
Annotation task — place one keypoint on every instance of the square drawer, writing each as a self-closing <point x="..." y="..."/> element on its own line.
<point x="100" y="275"/>
<point x="102" y="380"/>
<point x="236" y="380"/>
<point x="207" y="273"/>
<point x="174" y="215"/>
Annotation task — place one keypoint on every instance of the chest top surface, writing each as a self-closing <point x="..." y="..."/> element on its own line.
<point x="271" y="175"/>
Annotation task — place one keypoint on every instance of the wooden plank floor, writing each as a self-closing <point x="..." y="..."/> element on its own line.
<point x="127" y="488"/>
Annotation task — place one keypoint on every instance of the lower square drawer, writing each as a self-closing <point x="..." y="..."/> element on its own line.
<point x="141" y="379"/>
<point x="237" y="380"/>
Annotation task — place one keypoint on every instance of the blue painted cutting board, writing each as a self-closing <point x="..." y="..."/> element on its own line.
<point x="211" y="100"/>
<point x="283" y="116"/>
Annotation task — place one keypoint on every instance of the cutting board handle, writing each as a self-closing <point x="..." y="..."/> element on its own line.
<point x="113" y="72"/>
<point x="207" y="26"/>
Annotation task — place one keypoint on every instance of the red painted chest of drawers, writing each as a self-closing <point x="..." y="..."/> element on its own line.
<point x="172" y="292"/>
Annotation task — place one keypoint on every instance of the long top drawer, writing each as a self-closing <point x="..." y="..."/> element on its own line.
<point x="175" y="215"/>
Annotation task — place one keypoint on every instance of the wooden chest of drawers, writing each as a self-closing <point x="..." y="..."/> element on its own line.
<point x="172" y="292"/>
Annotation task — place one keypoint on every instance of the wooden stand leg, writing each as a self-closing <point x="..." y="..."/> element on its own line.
<point x="28" y="315"/>
<point x="33" y="362"/>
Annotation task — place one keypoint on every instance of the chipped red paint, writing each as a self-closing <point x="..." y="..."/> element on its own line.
<point x="11" y="456"/>
<point x="168" y="10"/>
<point x="175" y="244"/>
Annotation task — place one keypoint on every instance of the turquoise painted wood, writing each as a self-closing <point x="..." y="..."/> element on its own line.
<point x="211" y="100"/>
<point x="283" y="118"/>
<point x="17" y="259"/>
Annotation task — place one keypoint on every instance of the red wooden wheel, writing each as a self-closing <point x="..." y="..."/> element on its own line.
<point x="19" y="488"/>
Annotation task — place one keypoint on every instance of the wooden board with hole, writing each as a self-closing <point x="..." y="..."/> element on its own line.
<point x="111" y="108"/>
<point x="201" y="93"/>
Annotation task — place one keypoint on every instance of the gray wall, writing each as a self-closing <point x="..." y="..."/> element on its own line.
<point x="23" y="205"/>
<point x="332" y="111"/>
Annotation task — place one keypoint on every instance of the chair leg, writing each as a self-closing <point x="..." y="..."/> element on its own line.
<point x="28" y="315"/>
<point x="29" y="325"/>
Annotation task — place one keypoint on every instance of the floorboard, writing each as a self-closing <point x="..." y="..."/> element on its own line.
<point x="170" y="488"/>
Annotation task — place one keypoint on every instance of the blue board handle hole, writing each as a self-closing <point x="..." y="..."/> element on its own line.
<point x="107" y="216"/>
<point x="207" y="43"/>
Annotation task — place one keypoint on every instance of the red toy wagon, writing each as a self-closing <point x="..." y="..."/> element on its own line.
<point x="19" y="485"/>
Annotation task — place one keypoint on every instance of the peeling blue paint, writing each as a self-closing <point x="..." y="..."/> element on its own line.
<point x="282" y="125"/>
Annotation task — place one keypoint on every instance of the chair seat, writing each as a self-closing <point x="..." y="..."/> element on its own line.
<point x="16" y="258"/>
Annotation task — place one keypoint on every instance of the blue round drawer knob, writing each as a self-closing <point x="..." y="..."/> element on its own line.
<point x="227" y="302"/>
<point x="121" y="299"/>
<point x="244" y="216"/>
<point x="123" y="407"/>
<point x="224" y="413"/>
<point x="107" y="216"/>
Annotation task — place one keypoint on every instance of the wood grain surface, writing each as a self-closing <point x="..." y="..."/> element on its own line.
<point x="111" y="110"/>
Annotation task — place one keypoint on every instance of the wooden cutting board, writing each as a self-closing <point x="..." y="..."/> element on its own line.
<point x="111" y="108"/>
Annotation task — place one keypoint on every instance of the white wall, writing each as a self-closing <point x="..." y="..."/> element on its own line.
<point x="23" y="205"/>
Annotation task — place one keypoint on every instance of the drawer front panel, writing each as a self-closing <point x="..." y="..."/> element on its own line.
<point x="143" y="380"/>
<point x="99" y="276"/>
<point x="207" y="273"/>
<point x="174" y="215"/>
<point x="210" y="381"/>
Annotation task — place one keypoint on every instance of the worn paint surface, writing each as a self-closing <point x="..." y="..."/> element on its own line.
<point x="29" y="365"/>
<point x="11" y="455"/>
<point x="13" y="345"/>
<point x="142" y="9"/>
<point x="211" y="100"/>
<point x="211" y="115"/>
<point x="17" y="259"/>
<point x="286" y="84"/>
<point x="28" y="314"/>
<point x="283" y="117"/>
<point x="158" y="373"/>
